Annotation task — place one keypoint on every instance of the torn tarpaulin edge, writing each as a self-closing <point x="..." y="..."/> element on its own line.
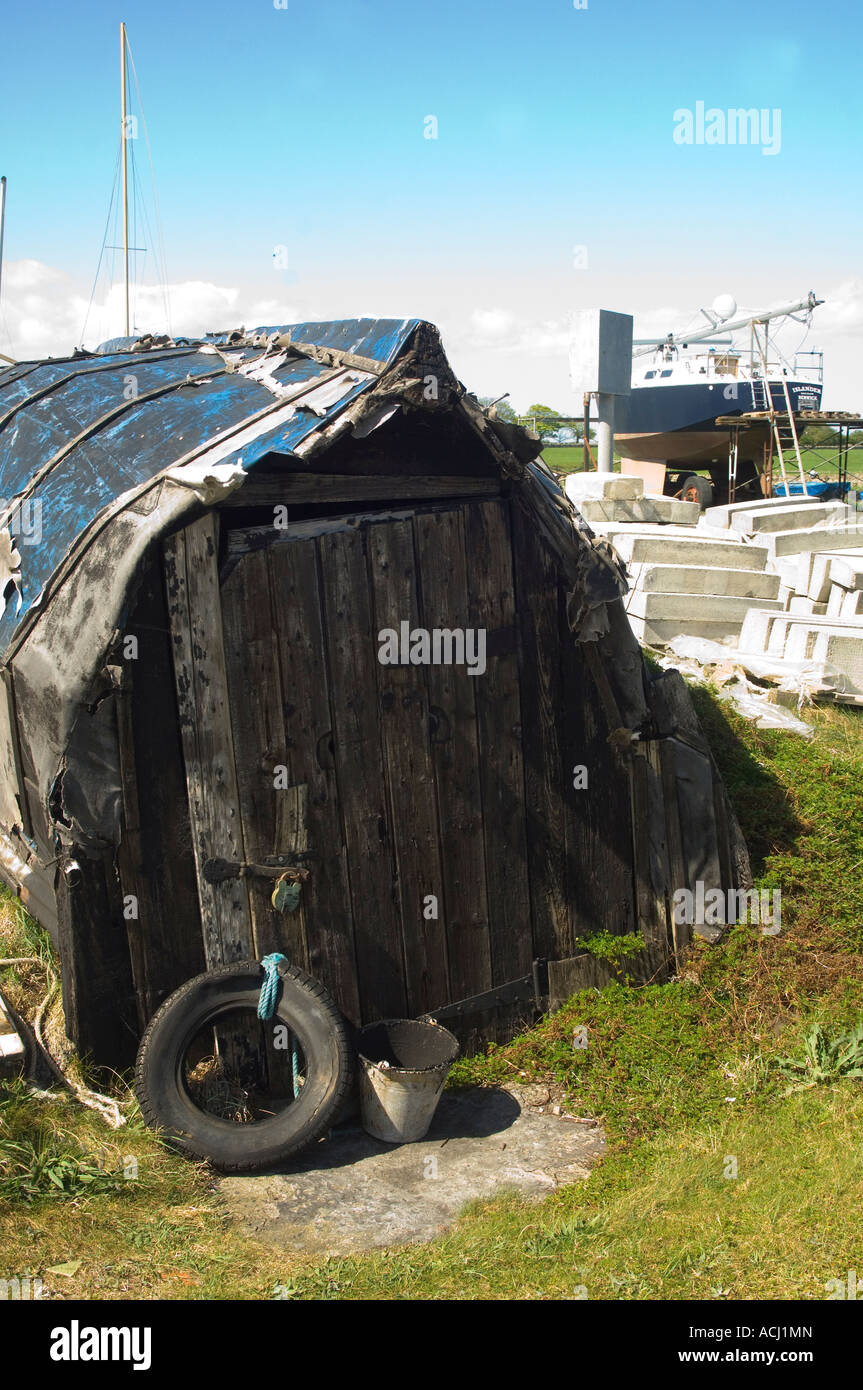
<point x="10" y="570"/>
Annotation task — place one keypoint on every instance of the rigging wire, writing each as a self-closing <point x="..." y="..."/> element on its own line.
<point x="159" y="247"/>
<point x="138" y="208"/>
<point x="104" y="241"/>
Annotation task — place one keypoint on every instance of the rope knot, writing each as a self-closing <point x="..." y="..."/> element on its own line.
<point x="270" y="987"/>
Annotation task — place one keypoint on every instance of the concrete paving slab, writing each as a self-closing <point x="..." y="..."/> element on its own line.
<point x="599" y="511"/>
<point x="788" y="517"/>
<point x="779" y="640"/>
<point x="852" y="604"/>
<point x="844" y="651"/>
<point x="350" y="1192"/>
<point x="579" y="487"/>
<point x="704" y="579"/>
<point x="847" y="569"/>
<point x="802" y="604"/>
<point x="721" y="515"/>
<point x="755" y="630"/>
<point x="643" y="547"/>
<point x="657" y="632"/>
<point x="694" y="607"/>
<point x="830" y="567"/>
<point x="817" y="539"/>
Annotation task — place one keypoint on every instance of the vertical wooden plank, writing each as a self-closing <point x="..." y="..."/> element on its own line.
<point x="307" y="721"/>
<point x="98" y="992"/>
<point x="254" y="683"/>
<point x="499" y="725"/>
<point x="129" y="860"/>
<point x="202" y="695"/>
<point x="444" y="603"/>
<point x="158" y="866"/>
<point x="368" y="834"/>
<point x="545" y="715"/>
<point x="650" y="857"/>
<point x="600" y="881"/>
<point x="409" y="771"/>
<point x="681" y="932"/>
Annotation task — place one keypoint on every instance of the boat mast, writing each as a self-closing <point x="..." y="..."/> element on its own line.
<point x="3" y="357"/>
<point x="707" y="334"/>
<point x="2" y="224"/>
<point x="125" y="179"/>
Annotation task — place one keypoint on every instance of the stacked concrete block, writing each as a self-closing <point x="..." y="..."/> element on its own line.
<point x="693" y="585"/>
<point x="781" y="577"/>
<point x="583" y="487"/>
<point x="700" y="579"/>
<point x="818" y="538"/>
<point x="786" y="516"/>
<point x="802" y="603"/>
<point x="721" y="516"/>
<point x="601" y="512"/>
<point x="661" y="545"/>
<point x="852" y="604"/>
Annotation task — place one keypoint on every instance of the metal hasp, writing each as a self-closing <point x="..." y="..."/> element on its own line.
<point x="221" y="870"/>
<point x="600" y="361"/>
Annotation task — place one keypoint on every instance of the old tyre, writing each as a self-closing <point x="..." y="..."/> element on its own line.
<point x="697" y="489"/>
<point x="243" y="1094"/>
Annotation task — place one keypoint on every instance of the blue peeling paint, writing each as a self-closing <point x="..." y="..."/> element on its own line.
<point x="148" y="436"/>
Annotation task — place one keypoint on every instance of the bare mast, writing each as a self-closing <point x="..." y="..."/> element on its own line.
<point x="3" y="357"/>
<point x="123" y="137"/>
<point x="709" y="334"/>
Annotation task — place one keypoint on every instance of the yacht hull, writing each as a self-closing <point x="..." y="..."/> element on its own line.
<point x="677" y="422"/>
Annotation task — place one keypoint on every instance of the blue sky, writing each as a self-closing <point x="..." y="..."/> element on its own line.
<point x="303" y="127"/>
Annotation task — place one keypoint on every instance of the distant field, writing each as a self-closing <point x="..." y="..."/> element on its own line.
<point x="570" y="459"/>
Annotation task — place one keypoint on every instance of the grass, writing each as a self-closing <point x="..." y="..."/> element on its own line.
<point x="721" y="1178"/>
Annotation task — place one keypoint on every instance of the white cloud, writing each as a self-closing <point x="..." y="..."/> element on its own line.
<point x="493" y="347"/>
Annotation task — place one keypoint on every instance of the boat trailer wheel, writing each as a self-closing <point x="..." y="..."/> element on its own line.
<point x="697" y="489"/>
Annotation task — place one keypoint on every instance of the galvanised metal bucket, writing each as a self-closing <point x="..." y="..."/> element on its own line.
<point x="403" y="1066"/>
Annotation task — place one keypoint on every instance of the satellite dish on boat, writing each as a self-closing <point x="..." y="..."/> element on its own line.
<point x="724" y="306"/>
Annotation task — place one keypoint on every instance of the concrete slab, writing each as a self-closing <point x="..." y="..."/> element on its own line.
<point x="819" y="538"/>
<point x="721" y="516"/>
<point x="802" y="604"/>
<point x="786" y="567"/>
<point x="694" y="607"/>
<point x="704" y="579"/>
<point x="847" y="569"/>
<point x="822" y="575"/>
<point x="852" y="604"/>
<point x="351" y="1192"/>
<point x="755" y="630"/>
<point x="804" y="641"/>
<point x="642" y="547"/>
<point x="658" y="632"/>
<point x="779" y="640"/>
<point x="787" y="517"/>
<point x="601" y="510"/>
<point x="581" y="486"/>
<point x="845" y="652"/>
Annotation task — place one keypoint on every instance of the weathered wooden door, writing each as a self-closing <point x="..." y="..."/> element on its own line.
<point x="402" y="783"/>
<point x="432" y="808"/>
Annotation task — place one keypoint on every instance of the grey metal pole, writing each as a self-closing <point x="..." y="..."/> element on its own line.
<point x="605" y="433"/>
